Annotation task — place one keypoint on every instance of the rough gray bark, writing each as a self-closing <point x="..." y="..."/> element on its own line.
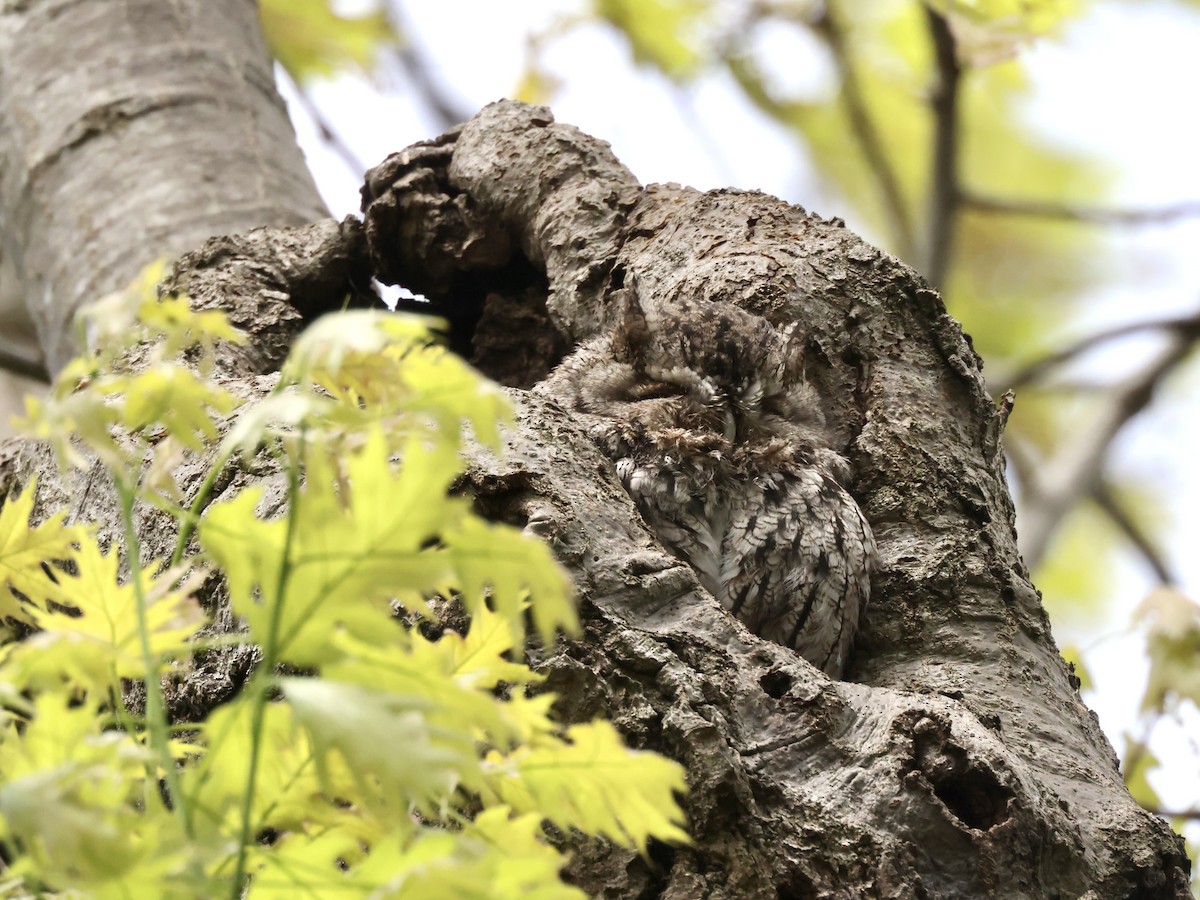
<point x="957" y="760"/>
<point x="130" y="131"/>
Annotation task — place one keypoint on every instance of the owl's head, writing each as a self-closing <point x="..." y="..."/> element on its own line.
<point x="704" y="366"/>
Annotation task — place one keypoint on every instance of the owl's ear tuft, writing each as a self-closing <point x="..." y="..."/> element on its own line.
<point x="631" y="336"/>
<point x="794" y="341"/>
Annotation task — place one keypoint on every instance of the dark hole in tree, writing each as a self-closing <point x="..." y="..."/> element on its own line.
<point x="968" y="790"/>
<point x="498" y="321"/>
<point x="975" y="798"/>
<point x="775" y="683"/>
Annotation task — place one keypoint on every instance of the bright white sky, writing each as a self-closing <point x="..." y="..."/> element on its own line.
<point x="1120" y="83"/>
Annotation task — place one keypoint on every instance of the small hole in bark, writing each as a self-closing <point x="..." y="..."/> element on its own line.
<point x="796" y="887"/>
<point x="970" y="791"/>
<point x="975" y="798"/>
<point x="502" y="498"/>
<point x="661" y="854"/>
<point x="775" y="683"/>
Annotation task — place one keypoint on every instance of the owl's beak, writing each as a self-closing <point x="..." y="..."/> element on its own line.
<point x="730" y="425"/>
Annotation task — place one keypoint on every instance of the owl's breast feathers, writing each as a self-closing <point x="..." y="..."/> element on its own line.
<point x="768" y="528"/>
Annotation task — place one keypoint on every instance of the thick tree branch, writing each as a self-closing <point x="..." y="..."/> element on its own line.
<point x="159" y="127"/>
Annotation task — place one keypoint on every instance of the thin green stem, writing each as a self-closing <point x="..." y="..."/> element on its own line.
<point x="258" y="685"/>
<point x="156" y="715"/>
<point x="188" y="523"/>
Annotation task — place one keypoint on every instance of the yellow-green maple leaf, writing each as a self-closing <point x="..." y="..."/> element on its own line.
<point x="24" y="550"/>
<point x="593" y="782"/>
<point x="104" y="613"/>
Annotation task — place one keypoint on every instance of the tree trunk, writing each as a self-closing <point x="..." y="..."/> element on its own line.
<point x="957" y="759"/>
<point x="130" y="131"/>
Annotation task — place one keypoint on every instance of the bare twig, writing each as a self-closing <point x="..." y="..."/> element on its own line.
<point x="1077" y="469"/>
<point x="417" y="69"/>
<point x="326" y="130"/>
<point x="1134" y="533"/>
<point x="1173" y="813"/>
<point x="1069" y="213"/>
<point x="868" y="137"/>
<point x="13" y="360"/>
<point x="943" y="179"/>
<point x="1188" y="326"/>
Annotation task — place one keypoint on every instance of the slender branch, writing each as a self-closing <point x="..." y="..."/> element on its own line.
<point x="1077" y="469"/>
<point x="1193" y="813"/>
<point x="12" y="360"/>
<point x="1065" y="212"/>
<point x="1111" y="506"/>
<point x="325" y="128"/>
<point x="1188" y="326"/>
<point x="944" y="195"/>
<point x="417" y="69"/>
<point x="868" y="137"/>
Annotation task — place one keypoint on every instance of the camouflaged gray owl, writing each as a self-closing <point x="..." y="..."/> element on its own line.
<point x="721" y="443"/>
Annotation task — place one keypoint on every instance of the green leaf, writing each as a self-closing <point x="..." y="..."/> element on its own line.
<point x="592" y="782"/>
<point x="379" y="734"/>
<point x="288" y="793"/>
<point x="1172" y="621"/>
<point x="311" y="40"/>
<point x="514" y="572"/>
<point x="102" y="615"/>
<point x="174" y="397"/>
<point x="67" y="794"/>
<point x="497" y="857"/>
<point x="24" y="550"/>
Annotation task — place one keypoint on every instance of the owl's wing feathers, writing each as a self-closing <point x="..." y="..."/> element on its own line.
<point x="796" y="563"/>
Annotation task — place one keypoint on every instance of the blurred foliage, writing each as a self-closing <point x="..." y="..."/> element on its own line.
<point x="399" y="763"/>
<point x="311" y="39"/>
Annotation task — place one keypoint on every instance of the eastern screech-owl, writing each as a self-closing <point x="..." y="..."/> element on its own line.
<point x="721" y="443"/>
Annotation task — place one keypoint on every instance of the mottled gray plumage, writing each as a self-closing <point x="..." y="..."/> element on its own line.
<point x="720" y="441"/>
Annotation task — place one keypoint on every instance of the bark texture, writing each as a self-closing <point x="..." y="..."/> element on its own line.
<point x="130" y="131"/>
<point x="958" y="759"/>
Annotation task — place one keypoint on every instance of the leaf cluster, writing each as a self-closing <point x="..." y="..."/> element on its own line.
<point x="399" y="764"/>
